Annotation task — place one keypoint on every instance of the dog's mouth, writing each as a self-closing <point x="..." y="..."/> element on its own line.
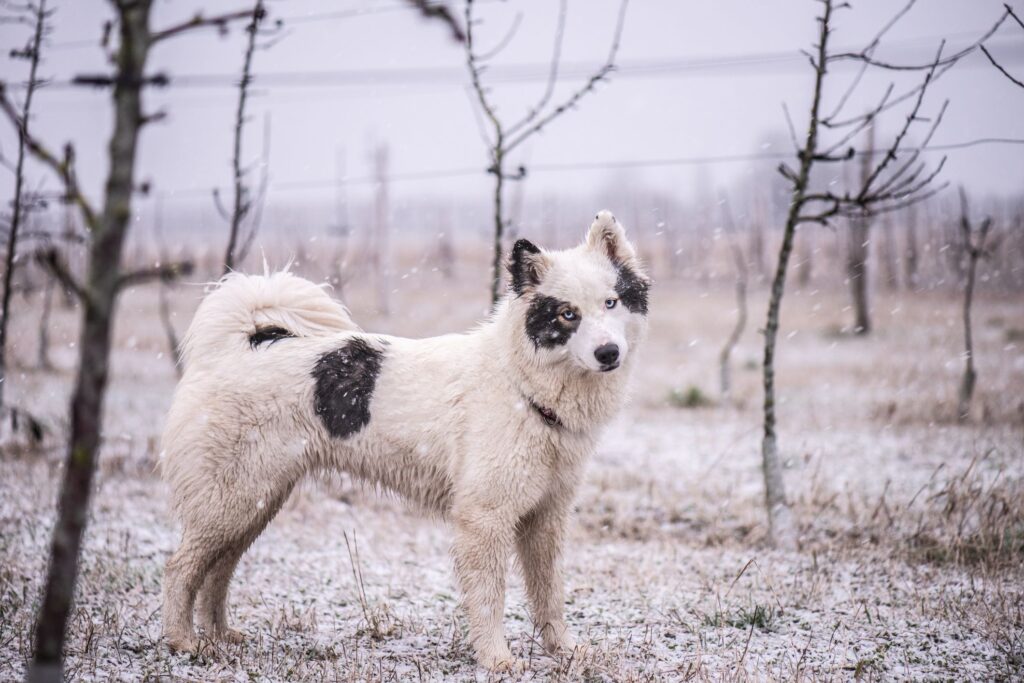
<point x="608" y="367"/>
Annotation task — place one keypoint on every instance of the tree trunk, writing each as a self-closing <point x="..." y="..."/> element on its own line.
<point x="806" y="266"/>
<point x="966" y="393"/>
<point x="740" y="263"/>
<point x="381" y="257"/>
<point x="890" y="255"/>
<point x="782" y="530"/>
<point x="43" y="351"/>
<point x="98" y="309"/>
<point x="856" y="273"/>
<point x="499" y="225"/>
<point x="910" y="260"/>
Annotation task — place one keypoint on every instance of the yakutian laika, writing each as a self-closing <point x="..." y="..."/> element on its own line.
<point x="489" y="428"/>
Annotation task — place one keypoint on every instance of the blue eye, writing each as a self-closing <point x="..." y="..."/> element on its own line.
<point x="610" y="303"/>
<point x="569" y="315"/>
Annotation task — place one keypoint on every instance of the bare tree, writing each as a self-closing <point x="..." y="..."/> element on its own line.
<point x="342" y="227"/>
<point x="108" y="228"/>
<point x="163" y="304"/>
<point x="242" y="202"/>
<point x="896" y="180"/>
<point x="381" y="250"/>
<point x="975" y="249"/>
<point x="504" y="138"/>
<point x="740" y="263"/>
<point x="37" y="18"/>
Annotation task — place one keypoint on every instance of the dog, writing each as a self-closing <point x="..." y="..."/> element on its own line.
<point x="490" y="429"/>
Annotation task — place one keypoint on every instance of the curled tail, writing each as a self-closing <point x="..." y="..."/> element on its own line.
<point x="247" y="310"/>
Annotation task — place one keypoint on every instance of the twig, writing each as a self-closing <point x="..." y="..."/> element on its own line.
<point x="442" y="13"/>
<point x="65" y="169"/>
<point x="999" y="66"/>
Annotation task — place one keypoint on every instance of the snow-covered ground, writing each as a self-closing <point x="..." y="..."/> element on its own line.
<point x="913" y="525"/>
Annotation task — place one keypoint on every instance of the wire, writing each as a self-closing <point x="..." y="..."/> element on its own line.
<point x="512" y="73"/>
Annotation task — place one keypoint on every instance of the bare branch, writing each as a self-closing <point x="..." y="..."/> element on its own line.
<point x="503" y="43"/>
<point x="598" y="76"/>
<point x="442" y="13"/>
<point x="220" y="22"/>
<point x="64" y="168"/>
<point x="789" y="126"/>
<point x="51" y="260"/>
<point x="475" y="68"/>
<point x="165" y="272"/>
<point x="864" y="56"/>
<point x="1001" y="69"/>
<point x="552" y="73"/>
<point x="869" y="50"/>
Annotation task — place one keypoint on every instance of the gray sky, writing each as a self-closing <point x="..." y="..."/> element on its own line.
<point x="663" y="103"/>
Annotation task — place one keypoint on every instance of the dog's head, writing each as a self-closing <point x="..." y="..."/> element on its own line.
<point x="586" y="305"/>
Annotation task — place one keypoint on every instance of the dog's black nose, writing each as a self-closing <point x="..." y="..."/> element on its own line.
<point x="606" y="354"/>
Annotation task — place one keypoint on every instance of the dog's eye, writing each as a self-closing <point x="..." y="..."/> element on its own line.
<point x="569" y="314"/>
<point x="610" y="303"/>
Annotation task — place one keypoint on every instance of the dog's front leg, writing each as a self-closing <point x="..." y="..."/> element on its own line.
<point x="539" y="542"/>
<point x="483" y="543"/>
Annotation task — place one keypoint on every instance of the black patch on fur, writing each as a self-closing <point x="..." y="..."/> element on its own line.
<point x="268" y="334"/>
<point x="632" y="290"/>
<point x="345" y="380"/>
<point x="523" y="274"/>
<point x="545" y="325"/>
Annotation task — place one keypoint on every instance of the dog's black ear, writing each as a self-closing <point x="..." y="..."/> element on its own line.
<point x="526" y="266"/>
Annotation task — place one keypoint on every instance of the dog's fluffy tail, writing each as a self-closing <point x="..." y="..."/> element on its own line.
<point x="246" y="310"/>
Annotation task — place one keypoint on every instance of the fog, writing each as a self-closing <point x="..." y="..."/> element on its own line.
<point x="697" y="82"/>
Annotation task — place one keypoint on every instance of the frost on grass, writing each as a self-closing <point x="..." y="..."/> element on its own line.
<point x="911" y="527"/>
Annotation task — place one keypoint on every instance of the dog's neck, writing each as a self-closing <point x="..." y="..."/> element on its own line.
<point x="581" y="400"/>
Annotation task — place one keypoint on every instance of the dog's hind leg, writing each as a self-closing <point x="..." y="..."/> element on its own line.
<point x="211" y="602"/>
<point x="212" y="542"/>
<point x="184" y="574"/>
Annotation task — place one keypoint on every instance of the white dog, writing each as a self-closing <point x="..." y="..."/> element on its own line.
<point x="489" y="428"/>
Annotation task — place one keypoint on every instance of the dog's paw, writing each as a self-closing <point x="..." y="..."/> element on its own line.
<point x="231" y="635"/>
<point x="501" y="662"/>
<point x="563" y="644"/>
<point x="557" y="639"/>
<point x="185" y="644"/>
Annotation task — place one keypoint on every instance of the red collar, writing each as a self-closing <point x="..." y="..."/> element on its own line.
<point x="549" y="415"/>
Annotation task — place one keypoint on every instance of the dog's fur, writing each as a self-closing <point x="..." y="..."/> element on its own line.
<point x="489" y="429"/>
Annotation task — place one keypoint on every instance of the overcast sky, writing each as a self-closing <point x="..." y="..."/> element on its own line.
<point x="697" y="80"/>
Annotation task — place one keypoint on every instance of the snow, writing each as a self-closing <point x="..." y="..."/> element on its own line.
<point x="667" y="573"/>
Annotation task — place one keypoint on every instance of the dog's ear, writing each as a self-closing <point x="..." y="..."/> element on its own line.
<point x="608" y="237"/>
<point x="527" y="266"/>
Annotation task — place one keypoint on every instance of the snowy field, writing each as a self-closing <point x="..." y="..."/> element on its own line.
<point x="912" y="525"/>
